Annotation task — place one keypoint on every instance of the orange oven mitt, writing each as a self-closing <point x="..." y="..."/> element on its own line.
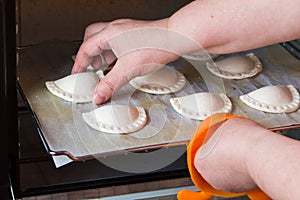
<point x="206" y="190"/>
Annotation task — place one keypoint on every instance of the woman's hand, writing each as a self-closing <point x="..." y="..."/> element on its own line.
<point x="222" y="160"/>
<point x="219" y="27"/>
<point x="242" y="155"/>
<point x="127" y="40"/>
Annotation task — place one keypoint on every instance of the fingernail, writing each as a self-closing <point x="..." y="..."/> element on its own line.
<point x="99" y="98"/>
<point x="74" y="70"/>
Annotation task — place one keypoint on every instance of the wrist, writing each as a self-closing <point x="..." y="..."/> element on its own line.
<point x="226" y="157"/>
<point x="259" y="147"/>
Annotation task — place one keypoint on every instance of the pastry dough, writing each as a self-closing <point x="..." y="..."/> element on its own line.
<point x="236" y="67"/>
<point x="200" y="56"/>
<point x="78" y="88"/>
<point x="273" y="99"/>
<point x="116" y="118"/>
<point x="163" y="81"/>
<point x="201" y="105"/>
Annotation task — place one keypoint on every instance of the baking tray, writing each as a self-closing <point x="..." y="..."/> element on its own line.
<point x="64" y="132"/>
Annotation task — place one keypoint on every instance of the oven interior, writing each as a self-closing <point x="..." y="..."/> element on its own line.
<point x="60" y="26"/>
<point x="48" y="34"/>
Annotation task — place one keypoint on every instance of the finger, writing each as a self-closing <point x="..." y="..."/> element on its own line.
<point x="109" y="56"/>
<point x="88" y="49"/>
<point x="97" y="62"/>
<point x="110" y="83"/>
<point x="93" y="29"/>
<point x="126" y="68"/>
<point x="81" y="62"/>
<point x="103" y="60"/>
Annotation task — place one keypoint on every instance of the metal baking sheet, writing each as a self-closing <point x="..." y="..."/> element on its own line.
<point x="65" y="133"/>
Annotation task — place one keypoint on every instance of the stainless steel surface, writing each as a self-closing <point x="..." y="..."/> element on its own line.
<point x="66" y="133"/>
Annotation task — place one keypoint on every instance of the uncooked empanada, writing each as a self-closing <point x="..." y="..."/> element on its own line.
<point x="273" y="99"/>
<point x="236" y="67"/>
<point x="201" y="105"/>
<point x="163" y="81"/>
<point x="116" y="118"/>
<point x="200" y="56"/>
<point x="78" y="88"/>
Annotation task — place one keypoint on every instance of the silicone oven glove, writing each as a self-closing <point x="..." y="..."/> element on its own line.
<point x="206" y="190"/>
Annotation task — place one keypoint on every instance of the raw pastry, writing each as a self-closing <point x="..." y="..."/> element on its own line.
<point x="116" y="118"/>
<point x="163" y="81"/>
<point x="200" y="56"/>
<point x="78" y="88"/>
<point x="273" y="99"/>
<point x="236" y="67"/>
<point x="201" y="105"/>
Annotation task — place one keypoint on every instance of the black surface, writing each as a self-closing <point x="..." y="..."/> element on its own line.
<point x="38" y="174"/>
<point x="293" y="47"/>
<point x="9" y="134"/>
<point x="4" y="184"/>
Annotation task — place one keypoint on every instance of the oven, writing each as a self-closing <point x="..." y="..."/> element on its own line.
<point x="30" y="165"/>
<point x="47" y="34"/>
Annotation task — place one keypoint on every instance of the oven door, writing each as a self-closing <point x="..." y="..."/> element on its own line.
<point x="9" y="119"/>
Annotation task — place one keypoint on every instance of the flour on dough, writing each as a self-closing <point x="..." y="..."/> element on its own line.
<point x="273" y="99"/>
<point x="163" y="81"/>
<point x="78" y="88"/>
<point x="119" y="119"/>
<point x="201" y="105"/>
<point x="236" y="67"/>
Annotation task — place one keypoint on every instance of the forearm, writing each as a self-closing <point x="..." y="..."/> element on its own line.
<point x="237" y="25"/>
<point x="242" y="155"/>
<point x="274" y="164"/>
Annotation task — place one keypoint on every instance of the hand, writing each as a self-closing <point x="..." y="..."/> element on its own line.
<point x="222" y="160"/>
<point x="119" y="39"/>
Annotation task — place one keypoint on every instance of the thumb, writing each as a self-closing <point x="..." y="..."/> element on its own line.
<point x="112" y="81"/>
<point x="127" y="67"/>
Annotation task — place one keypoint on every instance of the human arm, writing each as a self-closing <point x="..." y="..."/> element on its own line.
<point x="242" y="155"/>
<point x="237" y="25"/>
<point x="217" y="26"/>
